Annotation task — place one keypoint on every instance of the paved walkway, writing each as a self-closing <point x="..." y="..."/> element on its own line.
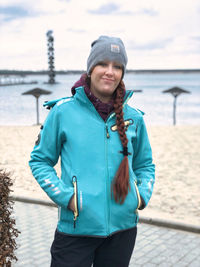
<point x="155" y="246"/>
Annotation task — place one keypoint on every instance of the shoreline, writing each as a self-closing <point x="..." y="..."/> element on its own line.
<point x="175" y="153"/>
<point x="66" y="72"/>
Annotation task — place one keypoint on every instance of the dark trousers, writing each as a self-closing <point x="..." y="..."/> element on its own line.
<point x="113" y="251"/>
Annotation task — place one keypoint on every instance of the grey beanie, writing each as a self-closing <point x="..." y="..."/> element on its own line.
<point x="107" y="48"/>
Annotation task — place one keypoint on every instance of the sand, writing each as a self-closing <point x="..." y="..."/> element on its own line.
<point x="176" y="153"/>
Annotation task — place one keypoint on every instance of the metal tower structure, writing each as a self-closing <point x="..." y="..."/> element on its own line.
<point x="50" y="41"/>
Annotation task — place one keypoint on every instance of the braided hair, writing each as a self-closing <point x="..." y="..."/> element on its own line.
<point x="121" y="185"/>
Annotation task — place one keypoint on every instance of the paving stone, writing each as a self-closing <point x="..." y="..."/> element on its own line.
<point x="189" y="258"/>
<point x="165" y="264"/>
<point x="135" y="265"/>
<point x="149" y="264"/>
<point x="196" y="251"/>
<point x="195" y="263"/>
<point x="142" y="243"/>
<point x="138" y="253"/>
<point x="154" y="253"/>
<point x="147" y="249"/>
<point x="153" y="237"/>
<point x="175" y="259"/>
<point x="158" y="241"/>
<point x="155" y="246"/>
<point x="166" y="236"/>
<point x="182" y="264"/>
<point x="142" y="260"/>
<point x="158" y="260"/>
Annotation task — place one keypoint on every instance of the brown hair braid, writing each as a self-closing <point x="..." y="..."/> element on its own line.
<point x="121" y="185"/>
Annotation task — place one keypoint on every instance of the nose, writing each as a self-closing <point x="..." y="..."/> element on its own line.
<point x="109" y="69"/>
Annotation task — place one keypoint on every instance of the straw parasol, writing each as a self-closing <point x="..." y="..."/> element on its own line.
<point x="175" y="91"/>
<point x="37" y="92"/>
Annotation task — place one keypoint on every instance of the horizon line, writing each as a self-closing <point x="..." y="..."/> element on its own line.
<point x="9" y="71"/>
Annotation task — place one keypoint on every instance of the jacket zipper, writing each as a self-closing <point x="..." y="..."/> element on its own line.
<point x="107" y="180"/>
<point x="74" y="181"/>
<point x="138" y="195"/>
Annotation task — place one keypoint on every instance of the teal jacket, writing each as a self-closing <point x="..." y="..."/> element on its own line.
<point x="90" y="156"/>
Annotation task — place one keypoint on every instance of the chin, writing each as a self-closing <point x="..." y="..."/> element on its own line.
<point x="108" y="92"/>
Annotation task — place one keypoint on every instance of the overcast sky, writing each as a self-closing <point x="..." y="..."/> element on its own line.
<point x="157" y="34"/>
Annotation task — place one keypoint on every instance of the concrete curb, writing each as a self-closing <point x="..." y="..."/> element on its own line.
<point x="33" y="201"/>
<point x="170" y="224"/>
<point x="151" y="221"/>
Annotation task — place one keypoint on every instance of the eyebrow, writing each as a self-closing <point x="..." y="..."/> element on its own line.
<point x="108" y="61"/>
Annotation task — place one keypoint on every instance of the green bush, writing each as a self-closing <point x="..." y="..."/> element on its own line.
<point x="8" y="232"/>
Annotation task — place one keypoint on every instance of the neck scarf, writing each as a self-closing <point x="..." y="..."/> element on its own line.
<point x="104" y="109"/>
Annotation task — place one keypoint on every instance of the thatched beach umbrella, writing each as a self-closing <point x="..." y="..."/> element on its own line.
<point x="175" y="91"/>
<point x="37" y="92"/>
<point x="137" y="91"/>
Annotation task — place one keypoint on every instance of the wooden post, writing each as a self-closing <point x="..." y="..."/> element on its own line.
<point x="37" y="110"/>
<point x="174" y="110"/>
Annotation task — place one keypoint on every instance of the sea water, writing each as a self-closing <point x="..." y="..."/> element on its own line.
<point x="18" y="109"/>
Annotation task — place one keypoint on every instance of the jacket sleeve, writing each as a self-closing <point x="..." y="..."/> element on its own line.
<point x="143" y="166"/>
<point x="45" y="156"/>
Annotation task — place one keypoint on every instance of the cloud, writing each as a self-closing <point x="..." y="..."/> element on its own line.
<point x="195" y="38"/>
<point x="13" y="12"/>
<point x="192" y="45"/>
<point x="112" y="8"/>
<point x="147" y="11"/>
<point x="105" y="9"/>
<point x="154" y="45"/>
<point x="76" y="30"/>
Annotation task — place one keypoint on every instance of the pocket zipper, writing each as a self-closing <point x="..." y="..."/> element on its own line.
<point x="138" y="195"/>
<point x="74" y="181"/>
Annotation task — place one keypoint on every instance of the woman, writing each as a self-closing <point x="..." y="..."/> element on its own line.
<point x="106" y="162"/>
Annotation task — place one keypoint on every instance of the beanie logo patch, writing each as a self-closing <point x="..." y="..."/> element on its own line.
<point x="115" y="48"/>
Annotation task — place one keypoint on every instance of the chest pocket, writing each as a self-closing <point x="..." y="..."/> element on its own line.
<point x="127" y="123"/>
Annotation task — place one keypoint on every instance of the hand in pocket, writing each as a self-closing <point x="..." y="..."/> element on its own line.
<point x="72" y="203"/>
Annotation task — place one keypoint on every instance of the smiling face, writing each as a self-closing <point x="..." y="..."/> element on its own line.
<point x="105" y="78"/>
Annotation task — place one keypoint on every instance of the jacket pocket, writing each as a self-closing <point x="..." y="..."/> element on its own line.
<point x="138" y="195"/>
<point x="76" y="213"/>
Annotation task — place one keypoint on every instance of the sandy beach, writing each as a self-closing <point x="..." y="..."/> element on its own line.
<point x="176" y="152"/>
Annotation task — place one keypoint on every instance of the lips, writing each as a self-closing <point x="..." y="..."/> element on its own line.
<point x="108" y="80"/>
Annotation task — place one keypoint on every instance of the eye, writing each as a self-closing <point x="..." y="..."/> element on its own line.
<point x="103" y="64"/>
<point x="117" y="66"/>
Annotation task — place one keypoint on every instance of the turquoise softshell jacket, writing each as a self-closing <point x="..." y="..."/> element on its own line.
<point x="90" y="151"/>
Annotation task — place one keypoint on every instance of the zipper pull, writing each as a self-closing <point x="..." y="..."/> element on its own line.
<point x="107" y="133"/>
<point x="75" y="221"/>
<point x="138" y="195"/>
<point x="74" y="181"/>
